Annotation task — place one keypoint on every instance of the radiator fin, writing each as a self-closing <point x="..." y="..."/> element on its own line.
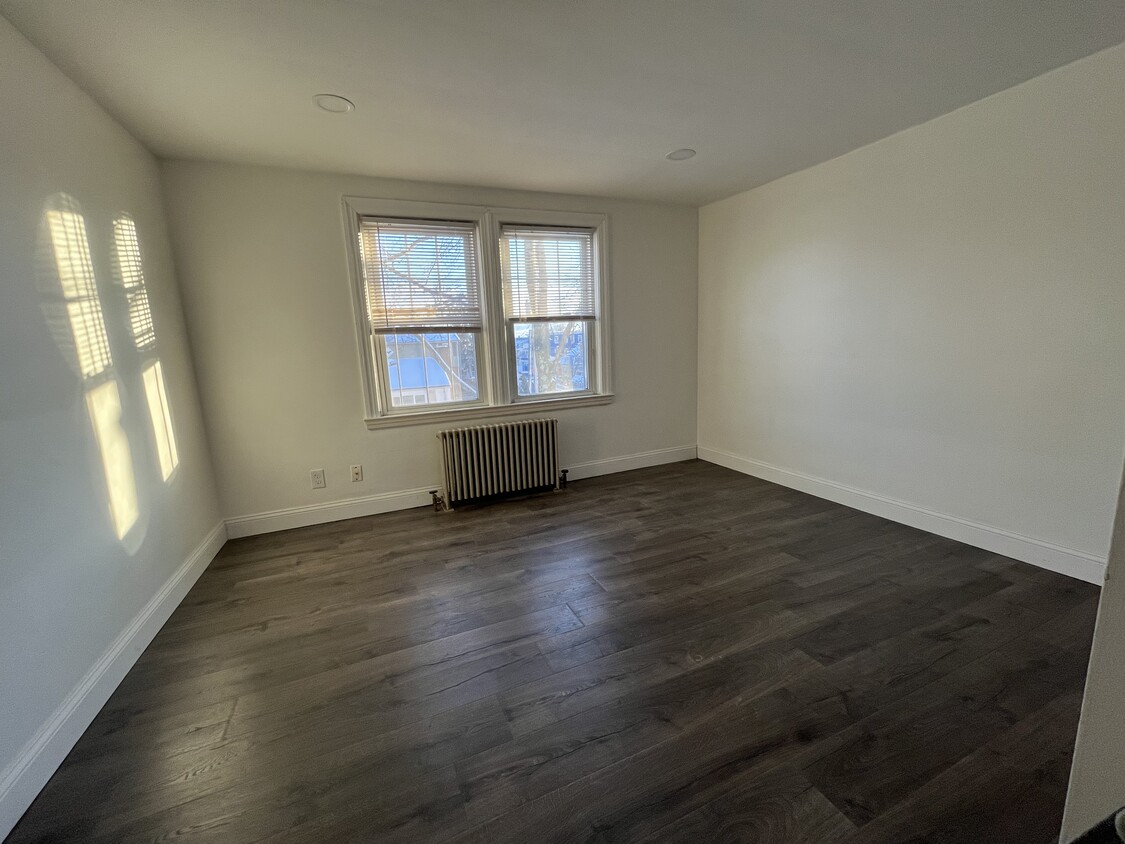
<point x="486" y="461"/>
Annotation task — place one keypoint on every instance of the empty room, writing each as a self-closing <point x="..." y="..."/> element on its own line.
<point x="562" y="421"/>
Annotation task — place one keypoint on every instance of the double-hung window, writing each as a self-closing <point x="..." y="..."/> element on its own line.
<point x="422" y="293"/>
<point x="465" y="311"/>
<point x="550" y="307"/>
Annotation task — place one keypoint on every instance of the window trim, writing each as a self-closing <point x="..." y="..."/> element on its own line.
<point x="499" y="395"/>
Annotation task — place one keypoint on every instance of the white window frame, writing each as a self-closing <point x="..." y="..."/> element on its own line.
<point x="378" y="340"/>
<point x="498" y="395"/>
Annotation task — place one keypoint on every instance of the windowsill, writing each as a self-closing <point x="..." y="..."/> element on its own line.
<point x="430" y="417"/>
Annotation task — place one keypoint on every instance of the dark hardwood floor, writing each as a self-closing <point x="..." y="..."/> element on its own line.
<point x="673" y="654"/>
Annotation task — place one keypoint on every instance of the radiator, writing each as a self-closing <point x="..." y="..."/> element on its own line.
<point x="488" y="461"/>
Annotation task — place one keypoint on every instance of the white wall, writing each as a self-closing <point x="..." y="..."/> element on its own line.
<point x="77" y="602"/>
<point x="933" y="327"/>
<point x="1097" y="778"/>
<point x="262" y="255"/>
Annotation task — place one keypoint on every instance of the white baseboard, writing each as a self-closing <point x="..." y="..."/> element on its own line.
<point x="1068" y="561"/>
<point x="641" y="460"/>
<point x="330" y="511"/>
<point x="353" y="508"/>
<point x="23" y="779"/>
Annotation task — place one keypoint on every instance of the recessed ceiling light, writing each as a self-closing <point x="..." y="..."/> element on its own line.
<point x="334" y="103"/>
<point x="680" y="154"/>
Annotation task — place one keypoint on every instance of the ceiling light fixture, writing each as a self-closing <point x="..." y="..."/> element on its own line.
<point x="680" y="154"/>
<point x="334" y="103"/>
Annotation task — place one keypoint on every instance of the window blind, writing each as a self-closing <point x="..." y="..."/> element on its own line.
<point x="548" y="273"/>
<point x="420" y="276"/>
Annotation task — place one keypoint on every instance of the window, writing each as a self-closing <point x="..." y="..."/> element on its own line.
<point x="423" y="299"/>
<point x="465" y="311"/>
<point x="549" y="302"/>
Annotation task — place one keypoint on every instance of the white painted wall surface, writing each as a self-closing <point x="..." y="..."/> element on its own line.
<point x="76" y="601"/>
<point x="1097" y="778"/>
<point x="261" y="253"/>
<point x="936" y="320"/>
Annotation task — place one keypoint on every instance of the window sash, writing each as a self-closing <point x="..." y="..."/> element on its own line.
<point x="378" y="350"/>
<point x="591" y="343"/>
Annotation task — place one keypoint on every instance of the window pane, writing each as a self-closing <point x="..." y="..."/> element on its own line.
<point x="432" y="368"/>
<point x="551" y="357"/>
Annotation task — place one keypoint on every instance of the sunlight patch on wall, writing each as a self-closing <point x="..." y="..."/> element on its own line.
<point x="75" y="272"/>
<point x="72" y="266"/>
<point x="104" y="405"/>
<point x="130" y="274"/>
<point x="157" y="395"/>
<point x="128" y="267"/>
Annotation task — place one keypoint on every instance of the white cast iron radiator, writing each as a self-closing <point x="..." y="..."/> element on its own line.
<point x="487" y="461"/>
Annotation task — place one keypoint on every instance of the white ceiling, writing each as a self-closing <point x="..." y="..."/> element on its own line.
<point x="577" y="96"/>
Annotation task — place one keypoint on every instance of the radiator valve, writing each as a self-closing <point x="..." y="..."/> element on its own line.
<point x="439" y="503"/>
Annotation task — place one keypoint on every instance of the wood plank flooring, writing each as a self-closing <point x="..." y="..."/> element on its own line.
<point x="674" y="654"/>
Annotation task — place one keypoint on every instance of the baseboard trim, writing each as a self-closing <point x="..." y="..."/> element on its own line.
<point x="25" y="777"/>
<point x="386" y="502"/>
<point x="330" y="511"/>
<point x="1068" y="561"/>
<point x="640" y="460"/>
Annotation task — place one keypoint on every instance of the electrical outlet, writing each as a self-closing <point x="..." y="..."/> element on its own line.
<point x="357" y="473"/>
<point x="317" y="478"/>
